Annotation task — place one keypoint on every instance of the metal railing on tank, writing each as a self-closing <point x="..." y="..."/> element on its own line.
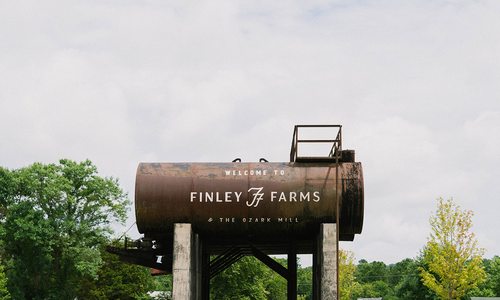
<point x="298" y="140"/>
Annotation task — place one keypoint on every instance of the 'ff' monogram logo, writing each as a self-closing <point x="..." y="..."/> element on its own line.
<point x="258" y="196"/>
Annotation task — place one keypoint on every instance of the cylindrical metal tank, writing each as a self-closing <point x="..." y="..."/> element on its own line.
<point x="225" y="200"/>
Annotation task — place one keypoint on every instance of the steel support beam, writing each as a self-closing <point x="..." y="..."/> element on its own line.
<point x="271" y="263"/>
<point x="292" y="273"/>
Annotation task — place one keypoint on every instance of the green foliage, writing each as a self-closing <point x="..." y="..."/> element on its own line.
<point x="373" y="280"/>
<point x="116" y="280"/>
<point x="370" y="272"/>
<point x="4" y="293"/>
<point x="452" y="257"/>
<point x="396" y="281"/>
<point x="28" y="243"/>
<point x="304" y="283"/>
<point x="372" y="289"/>
<point x="55" y="218"/>
<point x="274" y="284"/>
<point x="248" y="279"/>
<point x="347" y="270"/>
<point x="490" y="287"/>
<point x="163" y="283"/>
<point x="493" y="270"/>
<point x="6" y="190"/>
<point x="405" y="278"/>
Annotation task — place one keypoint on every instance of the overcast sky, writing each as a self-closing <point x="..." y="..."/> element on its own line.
<point x="415" y="84"/>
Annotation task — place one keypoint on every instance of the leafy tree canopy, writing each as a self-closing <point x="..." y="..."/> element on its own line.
<point x="248" y="279"/>
<point x="371" y="272"/>
<point x="347" y="271"/>
<point x="452" y="257"/>
<point x="117" y="280"/>
<point x="4" y="293"/>
<point x="54" y="218"/>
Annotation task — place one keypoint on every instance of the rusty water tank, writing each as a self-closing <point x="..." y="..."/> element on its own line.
<point x="226" y="200"/>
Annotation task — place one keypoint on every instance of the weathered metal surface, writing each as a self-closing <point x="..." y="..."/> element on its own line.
<point x="225" y="200"/>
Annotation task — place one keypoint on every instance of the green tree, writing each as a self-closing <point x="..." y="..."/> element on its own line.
<point x="491" y="287"/>
<point x="117" y="280"/>
<point x="409" y="286"/>
<point x="452" y="256"/>
<point x="493" y="270"/>
<point x="55" y="218"/>
<point x="5" y="190"/>
<point x="370" y="272"/>
<point x="347" y="270"/>
<point x="398" y="271"/>
<point x="5" y="185"/>
<point x="374" y="280"/>
<point x="4" y="293"/>
<point x="274" y="284"/>
<point x="163" y="283"/>
<point x="304" y="283"/>
<point x="373" y="289"/>
<point x="248" y="279"/>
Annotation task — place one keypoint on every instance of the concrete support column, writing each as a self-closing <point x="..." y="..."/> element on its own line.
<point x="186" y="263"/>
<point x="326" y="267"/>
